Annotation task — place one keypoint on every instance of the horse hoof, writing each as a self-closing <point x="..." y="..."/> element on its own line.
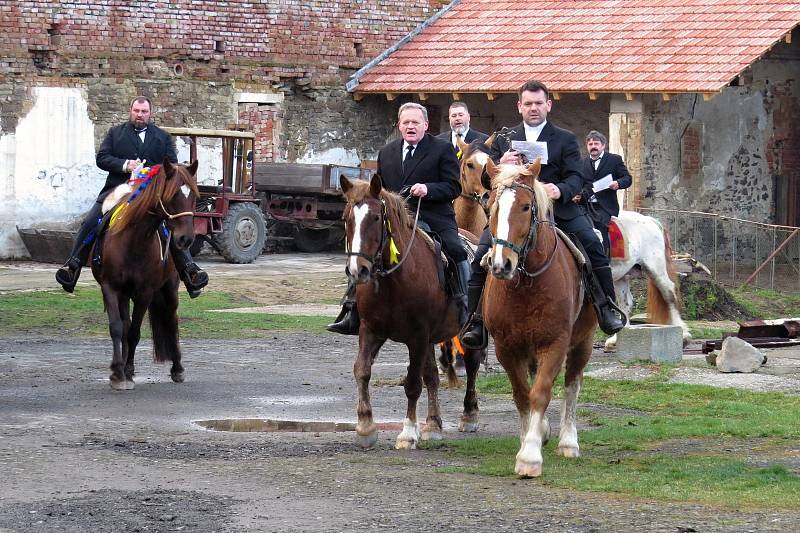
<point x="431" y="435"/>
<point x="528" y="470"/>
<point x="129" y="384"/>
<point x="120" y="385"/>
<point x="405" y="445"/>
<point x="568" y="451"/>
<point x="367" y="441"/>
<point x="177" y="377"/>
<point x="467" y="427"/>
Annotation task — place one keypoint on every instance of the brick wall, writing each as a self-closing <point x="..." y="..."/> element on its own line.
<point x="191" y="57"/>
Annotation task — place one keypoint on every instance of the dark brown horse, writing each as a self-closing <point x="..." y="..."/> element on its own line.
<point x="399" y="297"/>
<point x="535" y="309"/>
<point x="136" y="266"/>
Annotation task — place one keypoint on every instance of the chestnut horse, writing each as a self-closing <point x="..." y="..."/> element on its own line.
<point x="469" y="206"/>
<point x="535" y="309"/>
<point x="136" y="266"/>
<point x="398" y="297"/>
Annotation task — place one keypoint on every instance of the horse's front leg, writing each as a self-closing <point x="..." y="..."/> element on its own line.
<point x="573" y="378"/>
<point x="432" y="430"/>
<point x="368" y="346"/>
<point x="132" y="339"/>
<point x="537" y="427"/>
<point x="417" y="351"/>
<point x="116" y="329"/>
<point x="469" y="419"/>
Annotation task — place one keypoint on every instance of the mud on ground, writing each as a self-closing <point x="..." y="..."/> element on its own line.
<point x="76" y="456"/>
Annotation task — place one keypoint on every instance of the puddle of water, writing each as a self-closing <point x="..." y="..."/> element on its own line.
<point x="294" y="400"/>
<point x="268" y="425"/>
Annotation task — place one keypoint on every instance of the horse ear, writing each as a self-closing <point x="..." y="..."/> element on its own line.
<point x="345" y="183"/>
<point x="375" y="186"/>
<point x="462" y="146"/>
<point x="169" y="168"/>
<point x="488" y="142"/>
<point x="193" y="167"/>
<point x="492" y="169"/>
<point x="535" y="167"/>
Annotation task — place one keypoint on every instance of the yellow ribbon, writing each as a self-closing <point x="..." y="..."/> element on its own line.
<point x="394" y="252"/>
<point x="116" y="214"/>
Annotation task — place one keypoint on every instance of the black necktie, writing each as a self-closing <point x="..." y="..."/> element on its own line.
<point x="408" y="156"/>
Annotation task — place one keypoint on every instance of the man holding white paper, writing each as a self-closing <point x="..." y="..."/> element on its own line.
<point x="563" y="179"/>
<point x="609" y="174"/>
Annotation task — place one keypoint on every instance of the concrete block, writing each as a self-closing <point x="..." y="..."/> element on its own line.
<point x="650" y="342"/>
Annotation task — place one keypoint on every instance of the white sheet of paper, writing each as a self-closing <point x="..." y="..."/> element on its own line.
<point x="603" y="183"/>
<point x="531" y="150"/>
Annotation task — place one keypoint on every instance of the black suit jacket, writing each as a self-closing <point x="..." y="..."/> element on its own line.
<point x="609" y="164"/>
<point x="122" y="142"/>
<point x="472" y="135"/>
<point x="564" y="167"/>
<point x="434" y="164"/>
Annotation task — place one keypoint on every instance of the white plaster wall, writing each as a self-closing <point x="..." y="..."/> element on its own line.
<point x="209" y="158"/>
<point x="48" y="175"/>
<point x="334" y="156"/>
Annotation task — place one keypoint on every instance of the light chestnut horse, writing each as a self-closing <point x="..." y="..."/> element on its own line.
<point x="535" y="309"/>
<point x="400" y="299"/>
<point x="646" y="242"/>
<point x="469" y="206"/>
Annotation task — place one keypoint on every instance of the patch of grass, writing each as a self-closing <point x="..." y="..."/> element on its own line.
<point x="81" y="313"/>
<point x="622" y="454"/>
<point x="767" y="304"/>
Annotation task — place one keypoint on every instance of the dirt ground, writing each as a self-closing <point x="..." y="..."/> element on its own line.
<point x="76" y="456"/>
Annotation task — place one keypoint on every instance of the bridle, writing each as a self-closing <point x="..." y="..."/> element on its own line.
<point x="530" y="239"/>
<point x="375" y="261"/>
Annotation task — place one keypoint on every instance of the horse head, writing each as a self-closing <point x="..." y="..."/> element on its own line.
<point x="176" y="201"/>
<point x="365" y="227"/>
<point x="518" y="203"/>
<point x="474" y="157"/>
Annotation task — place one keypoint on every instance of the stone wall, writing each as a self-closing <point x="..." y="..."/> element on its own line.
<point x="196" y="61"/>
<point x="737" y="154"/>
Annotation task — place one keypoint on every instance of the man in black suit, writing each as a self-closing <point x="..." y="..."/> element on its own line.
<point x="459" y="126"/>
<point x="603" y="204"/>
<point x="562" y="176"/>
<point x="426" y="167"/>
<point x="124" y="148"/>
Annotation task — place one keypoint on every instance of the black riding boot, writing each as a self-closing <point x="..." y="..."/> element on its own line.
<point x="191" y="275"/>
<point x="475" y="336"/>
<point x="463" y="272"/>
<point x="69" y="273"/>
<point x="602" y="293"/>
<point x="348" y="321"/>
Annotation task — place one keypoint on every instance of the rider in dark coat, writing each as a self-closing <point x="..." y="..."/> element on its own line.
<point x="125" y="148"/>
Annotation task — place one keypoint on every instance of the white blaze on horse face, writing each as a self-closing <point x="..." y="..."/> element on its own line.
<point x="185" y="190"/>
<point x="504" y="204"/>
<point x="359" y="213"/>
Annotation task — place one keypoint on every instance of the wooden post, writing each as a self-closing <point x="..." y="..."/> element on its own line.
<point x="768" y="259"/>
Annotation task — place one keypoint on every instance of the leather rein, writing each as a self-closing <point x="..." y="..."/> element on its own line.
<point x="530" y="239"/>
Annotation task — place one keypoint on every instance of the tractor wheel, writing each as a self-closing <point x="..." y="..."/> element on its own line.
<point x="244" y="231"/>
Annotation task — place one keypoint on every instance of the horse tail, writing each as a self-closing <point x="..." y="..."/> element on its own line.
<point x="163" y="311"/>
<point x="447" y="356"/>
<point x="657" y="306"/>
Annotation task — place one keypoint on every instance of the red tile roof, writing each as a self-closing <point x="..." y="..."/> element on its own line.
<point x="583" y="46"/>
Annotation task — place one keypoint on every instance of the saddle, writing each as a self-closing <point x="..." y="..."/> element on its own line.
<point x="619" y="245"/>
<point x="445" y="267"/>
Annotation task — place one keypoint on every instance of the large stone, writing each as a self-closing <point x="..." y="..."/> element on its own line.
<point x="650" y="342"/>
<point x="737" y="355"/>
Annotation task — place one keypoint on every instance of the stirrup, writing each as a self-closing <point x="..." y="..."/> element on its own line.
<point x="67" y="275"/>
<point x="474" y="335"/>
<point x="194" y="279"/>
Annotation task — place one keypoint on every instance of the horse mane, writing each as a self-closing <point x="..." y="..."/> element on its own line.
<point x="508" y="175"/>
<point x="159" y="187"/>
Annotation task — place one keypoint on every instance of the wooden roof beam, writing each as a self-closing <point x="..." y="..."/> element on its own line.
<point x="788" y="38"/>
<point x="390" y="96"/>
<point x="592" y="96"/>
<point x="556" y="96"/>
<point x="358" y="96"/>
<point x="666" y="97"/>
<point x="456" y="96"/>
<point x="491" y="96"/>
<point x="422" y="96"/>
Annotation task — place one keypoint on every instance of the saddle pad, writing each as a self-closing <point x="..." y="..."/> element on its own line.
<point x="619" y="246"/>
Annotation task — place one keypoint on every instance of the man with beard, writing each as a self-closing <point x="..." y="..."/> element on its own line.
<point x="459" y="126"/>
<point x="125" y="148"/>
